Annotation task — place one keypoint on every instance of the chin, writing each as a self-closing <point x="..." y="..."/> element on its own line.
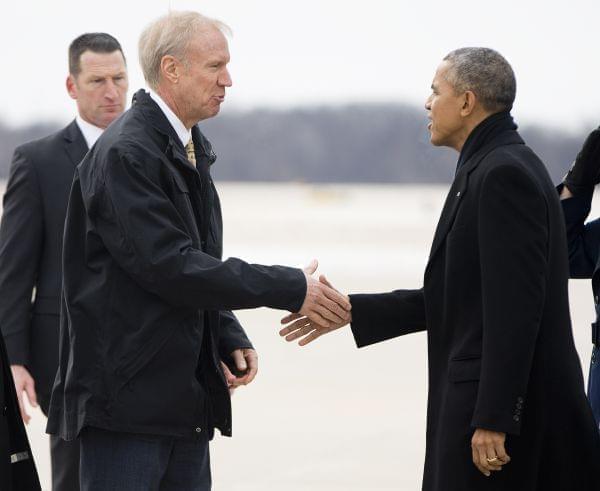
<point x="435" y="141"/>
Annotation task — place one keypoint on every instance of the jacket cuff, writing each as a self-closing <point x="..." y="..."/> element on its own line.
<point x="230" y="343"/>
<point x="298" y="291"/>
<point x="501" y="419"/>
<point x="17" y="347"/>
<point x="361" y="323"/>
<point x="576" y="208"/>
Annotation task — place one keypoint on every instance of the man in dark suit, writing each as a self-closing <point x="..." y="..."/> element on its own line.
<point x="505" y="384"/>
<point x="576" y="193"/>
<point x="31" y="231"/>
<point x="147" y="299"/>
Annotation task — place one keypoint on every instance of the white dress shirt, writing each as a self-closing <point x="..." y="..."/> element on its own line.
<point x="90" y="132"/>
<point x="183" y="133"/>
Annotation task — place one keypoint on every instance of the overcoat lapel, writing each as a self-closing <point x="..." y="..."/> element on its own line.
<point x="460" y="187"/>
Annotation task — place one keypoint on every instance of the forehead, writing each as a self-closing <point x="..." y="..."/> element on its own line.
<point x="92" y="63"/>
<point x="209" y="44"/>
<point x="440" y="78"/>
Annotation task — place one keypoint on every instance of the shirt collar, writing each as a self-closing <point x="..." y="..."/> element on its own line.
<point x="90" y="132"/>
<point x="183" y="133"/>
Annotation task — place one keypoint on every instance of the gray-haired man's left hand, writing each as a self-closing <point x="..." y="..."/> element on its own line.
<point x="246" y="368"/>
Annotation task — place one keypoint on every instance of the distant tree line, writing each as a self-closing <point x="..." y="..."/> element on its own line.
<point x="353" y="144"/>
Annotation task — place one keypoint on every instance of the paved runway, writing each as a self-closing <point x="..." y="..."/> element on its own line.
<point x="329" y="417"/>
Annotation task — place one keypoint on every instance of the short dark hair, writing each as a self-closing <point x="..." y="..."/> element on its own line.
<point x="485" y="72"/>
<point x="97" y="42"/>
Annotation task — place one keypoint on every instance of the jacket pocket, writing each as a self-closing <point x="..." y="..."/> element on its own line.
<point x="140" y="356"/>
<point x="464" y="370"/>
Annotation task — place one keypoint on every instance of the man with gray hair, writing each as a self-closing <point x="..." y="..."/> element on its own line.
<point x="505" y="384"/>
<point x="149" y="347"/>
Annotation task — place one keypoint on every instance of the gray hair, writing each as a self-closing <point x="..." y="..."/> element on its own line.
<point x="486" y="73"/>
<point x="171" y="35"/>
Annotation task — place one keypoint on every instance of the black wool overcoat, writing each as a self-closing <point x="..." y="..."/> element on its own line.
<point x="17" y="469"/>
<point x="496" y="311"/>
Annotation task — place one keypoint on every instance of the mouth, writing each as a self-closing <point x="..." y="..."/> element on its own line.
<point x="220" y="98"/>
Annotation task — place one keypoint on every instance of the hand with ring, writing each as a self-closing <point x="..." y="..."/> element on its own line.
<point x="488" y="450"/>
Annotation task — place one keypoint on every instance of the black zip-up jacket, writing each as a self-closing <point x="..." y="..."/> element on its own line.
<point x="147" y="300"/>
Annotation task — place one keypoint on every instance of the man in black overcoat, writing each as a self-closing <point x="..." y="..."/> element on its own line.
<point x="31" y="231"/>
<point x="146" y="312"/>
<point x="507" y="408"/>
<point x="17" y="469"/>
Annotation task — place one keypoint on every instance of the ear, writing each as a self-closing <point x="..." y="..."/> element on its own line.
<point x="171" y="68"/>
<point x="469" y="103"/>
<point x="71" y="86"/>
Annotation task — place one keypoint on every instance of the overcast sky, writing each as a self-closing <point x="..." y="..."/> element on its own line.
<point x="298" y="53"/>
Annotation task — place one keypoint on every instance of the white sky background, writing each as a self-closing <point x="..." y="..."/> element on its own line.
<point x="331" y="52"/>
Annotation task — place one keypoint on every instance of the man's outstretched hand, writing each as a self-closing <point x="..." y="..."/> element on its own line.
<point x="307" y="330"/>
<point x="323" y="304"/>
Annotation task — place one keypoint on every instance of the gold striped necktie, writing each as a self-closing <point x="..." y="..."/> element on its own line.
<point x="191" y="154"/>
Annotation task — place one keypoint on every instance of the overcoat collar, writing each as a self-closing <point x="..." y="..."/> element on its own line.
<point x="75" y="144"/>
<point x="459" y="187"/>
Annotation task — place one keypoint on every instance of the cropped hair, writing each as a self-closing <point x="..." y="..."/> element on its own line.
<point x="486" y="73"/>
<point x="97" y="42"/>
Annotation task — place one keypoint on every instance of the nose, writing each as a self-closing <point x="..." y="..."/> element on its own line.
<point x="225" y="79"/>
<point x="112" y="92"/>
<point x="428" y="103"/>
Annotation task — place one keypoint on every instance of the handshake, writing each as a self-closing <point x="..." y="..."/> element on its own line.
<point x="324" y="310"/>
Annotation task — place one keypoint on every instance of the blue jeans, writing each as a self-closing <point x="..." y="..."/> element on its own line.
<point x="112" y="461"/>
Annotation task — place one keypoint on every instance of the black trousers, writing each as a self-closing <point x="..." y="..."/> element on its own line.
<point x="64" y="458"/>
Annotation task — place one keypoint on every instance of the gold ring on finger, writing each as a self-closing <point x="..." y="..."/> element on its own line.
<point x="495" y="460"/>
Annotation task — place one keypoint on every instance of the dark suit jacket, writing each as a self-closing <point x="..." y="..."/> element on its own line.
<point x="31" y="231"/>
<point x="584" y="246"/>
<point x="501" y="351"/>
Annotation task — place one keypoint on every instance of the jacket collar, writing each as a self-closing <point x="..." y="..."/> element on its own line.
<point x="174" y="147"/>
<point x="460" y="185"/>
<point x="75" y="144"/>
